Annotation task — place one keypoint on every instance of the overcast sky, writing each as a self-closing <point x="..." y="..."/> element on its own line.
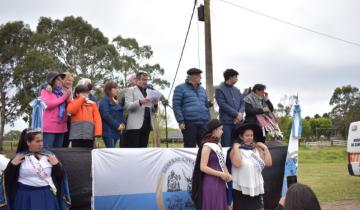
<point x="287" y="59"/>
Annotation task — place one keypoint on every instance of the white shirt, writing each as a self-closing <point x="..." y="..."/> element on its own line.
<point x="37" y="173"/>
<point x="248" y="178"/>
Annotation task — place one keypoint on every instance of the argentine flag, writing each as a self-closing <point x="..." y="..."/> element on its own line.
<point x="291" y="163"/>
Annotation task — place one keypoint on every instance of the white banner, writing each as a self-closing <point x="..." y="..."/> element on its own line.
<point x="144" y="179"/>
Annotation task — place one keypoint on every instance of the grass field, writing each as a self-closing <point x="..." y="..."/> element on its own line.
<point x="323" y="169"/>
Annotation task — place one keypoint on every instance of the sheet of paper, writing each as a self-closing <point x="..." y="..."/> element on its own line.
<point x="152" y="95"/>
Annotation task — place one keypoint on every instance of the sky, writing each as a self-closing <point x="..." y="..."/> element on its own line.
<point x="288" y="60"/>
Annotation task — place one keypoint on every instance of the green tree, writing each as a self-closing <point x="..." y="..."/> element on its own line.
<point x="13" y="135"/>
<point x="71" y="45"/>
<point x="345" y="101"/>
<point x="285" y="105"/>
<point x="320" y="126"/>
<point x="14" y="40"/>
<point x="78" y="46"/>
<point x="306" y="133"/>
<point x="133" y="58"/>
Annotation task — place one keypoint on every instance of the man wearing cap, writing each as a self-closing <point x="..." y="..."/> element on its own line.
<point x="231" y="105"/>
<point x="55" y="115"/>
<point x="191" y="108"/>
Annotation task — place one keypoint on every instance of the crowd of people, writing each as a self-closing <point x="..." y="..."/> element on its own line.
<point x="35" y="179"/>
<point x="74" y="115"/>
<point x="126" y="116"/>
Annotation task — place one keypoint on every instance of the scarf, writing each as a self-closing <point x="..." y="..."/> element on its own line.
<point x="267" y="121"/>
<point x="58" y="92"/>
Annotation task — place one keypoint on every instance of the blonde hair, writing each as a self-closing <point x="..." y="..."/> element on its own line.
<point x="84" y="81"/>
<point x="68" y="75"/>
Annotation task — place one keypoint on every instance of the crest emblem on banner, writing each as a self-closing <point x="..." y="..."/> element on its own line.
<point x="174" y="184"/>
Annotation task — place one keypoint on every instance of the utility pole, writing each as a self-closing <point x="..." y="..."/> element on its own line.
<point x="208" y="57"/>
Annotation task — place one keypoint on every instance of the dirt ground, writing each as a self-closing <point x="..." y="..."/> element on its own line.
<point x="342" y="205"/>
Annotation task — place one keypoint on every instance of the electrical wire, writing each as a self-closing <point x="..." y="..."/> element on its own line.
<point x="292" y="24"/>
<point x="183" y="48"/>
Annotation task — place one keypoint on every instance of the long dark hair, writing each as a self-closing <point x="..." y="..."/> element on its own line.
<point x="300" y="196"/>
<point x="27" y="135"/>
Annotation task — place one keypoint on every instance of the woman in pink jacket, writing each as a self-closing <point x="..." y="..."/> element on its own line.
<point x="54" y="117"/>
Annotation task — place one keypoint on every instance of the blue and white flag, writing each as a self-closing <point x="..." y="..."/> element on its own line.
<point x="148" y="178"/>
<point x="38" y="106"/>
<point x="291" y="163"/>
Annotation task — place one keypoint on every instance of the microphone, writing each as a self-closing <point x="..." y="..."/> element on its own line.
<point x="149" y="86"/>
<point x="163" y="100"/>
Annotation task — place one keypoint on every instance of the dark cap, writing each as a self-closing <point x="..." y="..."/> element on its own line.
<point x="52" y="76"/>
<point x="258" y="134"/>
<point x="194" y="71"/>
<point x="212" y="125"/>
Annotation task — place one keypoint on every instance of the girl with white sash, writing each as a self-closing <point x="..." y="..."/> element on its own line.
<point x="248" y="159"/>
<point x="210" y="172"/>
<point x="33" y="180"/>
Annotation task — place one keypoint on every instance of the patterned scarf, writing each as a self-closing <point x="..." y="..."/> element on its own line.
<point x="58" y="92"/>
<point x="267" y="121"/>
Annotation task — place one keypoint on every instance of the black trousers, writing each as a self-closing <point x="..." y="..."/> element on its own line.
<point x="137" y="138"/>
<point x="84" y="143"/>
<point x="193" y="133"/>
<point x="66" y="141"/>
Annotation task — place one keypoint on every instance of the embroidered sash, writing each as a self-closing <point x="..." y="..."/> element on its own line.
<point x="251" y="155"/>
<point x="41" y="172"/>
<point x="218" y="151"/>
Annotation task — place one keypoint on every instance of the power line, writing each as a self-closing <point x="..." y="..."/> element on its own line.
<point x="292" y="24"/>
<point x="183" y="48"/>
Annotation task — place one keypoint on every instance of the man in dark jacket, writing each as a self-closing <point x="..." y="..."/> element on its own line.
<point x="191" y="108"/>
<point x="231" y="105"/>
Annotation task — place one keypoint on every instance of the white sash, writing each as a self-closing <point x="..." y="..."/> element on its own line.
<point x="35" y="163"/>
<point x="253" y="157"/>
<point x="218" y="151"/>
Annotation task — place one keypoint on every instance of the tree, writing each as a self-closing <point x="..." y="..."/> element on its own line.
<point x="316" y="116"/>
<point x="131" y="58"/>
<point x="79" y="48"/>
<point x="62" y="45"/>
<point x="285" y="106"/>
<point x="320" y="126"/>
<point x="13" y="135"/>
<point x="14" y="40"/>
<point x="345" y="101"/>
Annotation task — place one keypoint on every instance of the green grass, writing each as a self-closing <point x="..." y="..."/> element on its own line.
<point x="325" y="171"/>
<point x="330" y="181"/>
<point x="322" y="155"/>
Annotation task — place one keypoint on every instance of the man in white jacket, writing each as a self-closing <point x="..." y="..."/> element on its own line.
<point x="140" y="113"/>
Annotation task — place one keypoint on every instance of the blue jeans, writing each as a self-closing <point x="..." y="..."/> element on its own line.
<point x="109" y="142"/>
<point x="53" y="140"/>
<point x="226" y="139"/>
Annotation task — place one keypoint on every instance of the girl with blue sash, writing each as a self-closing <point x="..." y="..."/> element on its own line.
<point x="248" y="156"/>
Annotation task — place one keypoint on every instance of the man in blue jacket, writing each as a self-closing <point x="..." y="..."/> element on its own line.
<point x="231" y="105"/>
<point x="191" y="108"/>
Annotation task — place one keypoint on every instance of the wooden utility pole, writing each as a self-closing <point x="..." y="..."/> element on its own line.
<point x="208" y="57"/>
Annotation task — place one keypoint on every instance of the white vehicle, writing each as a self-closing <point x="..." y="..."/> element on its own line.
<point x="353" y="148"/>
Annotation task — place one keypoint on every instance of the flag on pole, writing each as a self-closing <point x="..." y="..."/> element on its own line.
<point x="291" y="164"/>
<point x="38" y="106"/>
